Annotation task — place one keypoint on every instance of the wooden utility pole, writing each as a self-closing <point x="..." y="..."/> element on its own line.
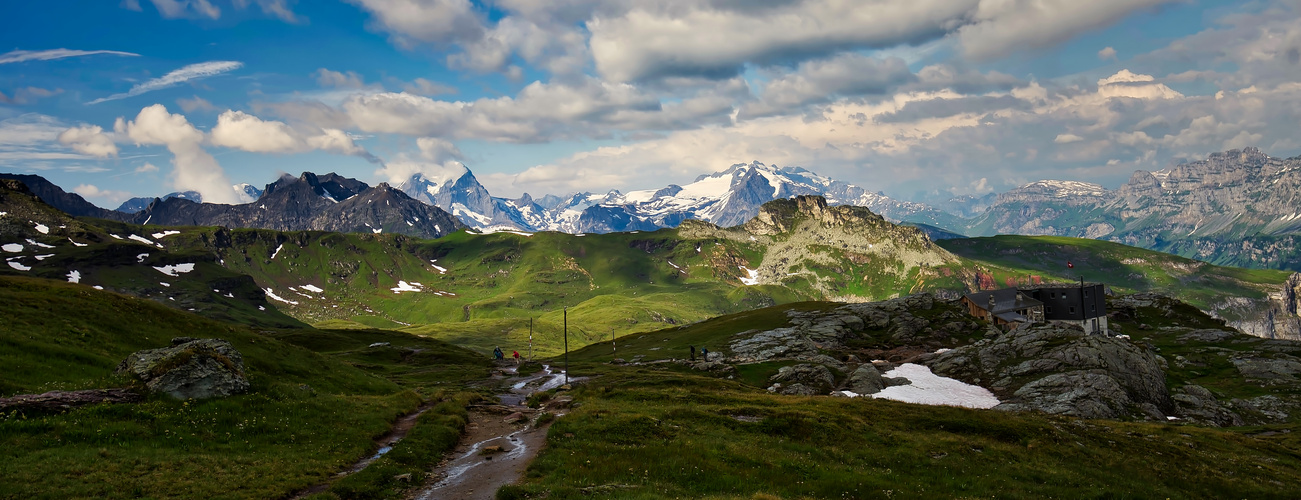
<point x="530" y="339"/>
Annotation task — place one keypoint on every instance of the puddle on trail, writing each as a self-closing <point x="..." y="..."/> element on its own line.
<point x="472" y="473"/>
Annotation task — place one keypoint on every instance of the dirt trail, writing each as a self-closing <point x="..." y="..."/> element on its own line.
<point x="498" y="443"/>
<point x="386" y="442"/>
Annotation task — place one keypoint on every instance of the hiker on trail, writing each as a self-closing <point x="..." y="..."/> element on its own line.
<point x="704" y="354"/>
<point x="693" y="353"/>
<point x="497" y="354"/>
<point x="516" y="354"/>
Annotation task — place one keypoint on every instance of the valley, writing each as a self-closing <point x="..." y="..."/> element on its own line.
<point x="791" y="304"/>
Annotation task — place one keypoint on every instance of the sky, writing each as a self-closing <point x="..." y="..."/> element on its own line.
<point x="920" y="99"/>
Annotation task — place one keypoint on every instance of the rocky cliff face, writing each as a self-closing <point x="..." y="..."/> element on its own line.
<point x="1279" y="320"/>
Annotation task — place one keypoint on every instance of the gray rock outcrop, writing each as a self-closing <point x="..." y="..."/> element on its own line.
<point x="812" y="332"/>
<point x="804" y="379"/>
<point x="1060" y="370"/>
<point x="190" y="369"/>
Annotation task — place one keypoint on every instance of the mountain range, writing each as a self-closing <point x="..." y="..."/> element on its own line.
<point x="1235" y="208"/>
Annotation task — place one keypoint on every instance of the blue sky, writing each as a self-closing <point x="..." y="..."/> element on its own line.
<point x="918" y="98"/>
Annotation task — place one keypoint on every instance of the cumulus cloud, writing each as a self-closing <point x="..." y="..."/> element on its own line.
<point x="719" y="38"/>
<point x="1003" y="26"/>
<point x="240" y="130"/>
<point x="438" y="160"/>
<point x="107" y="196"/>
<point x="17" y="56"/>
<point x="540" y="112"/>
<point x="146" y="168"/>
<point x="1107" y="54"/>
<point x="89" y="140"/>
<point x="176" y="77"/>
<point x="436" y="21"/>
<point x="824" y="80"/>
<point x="193" y="168"/>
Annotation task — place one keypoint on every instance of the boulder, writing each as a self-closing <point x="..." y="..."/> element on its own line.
<point x="866" y="380"/>
<point x="190" y="369"/>
<point x="1058" y="369"/>
<point x="804" y="379"/>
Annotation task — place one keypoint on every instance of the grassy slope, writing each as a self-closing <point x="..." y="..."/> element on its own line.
<point x="663" y="431"/>
<point x="643" y="433"/>
<point x="1126" y="269"/>
<point x="307" y="414"/>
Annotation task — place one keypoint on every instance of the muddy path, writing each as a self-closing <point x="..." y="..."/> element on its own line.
<point x="385" y="443"/>
<point x="500" y="440"/>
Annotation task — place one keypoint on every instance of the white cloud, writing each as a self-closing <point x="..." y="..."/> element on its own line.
<point x="28" y="95"/>
<point x="277" y="8"/>
<point x="173" y="9"/>
<point x="176" y="77"/>
<point x="90" y="140"/>
<point x="349" y="80"/>
<point x="438" y="160"/>
<point x="17" y="56"/>
<point x="1067" y="138"/>
<point x="146" y="168"/>
<point x="195" y="104"/>
<point x="435" y="21"/>
<point x="999" y="27"/>
<point x="239" y="130"/>
<point x="1107" y="53"/>
<point x="193" y="168"/>
<point x="823" y="80"/>
<point x="421" y="86"/>
<point x="107" y="196"/>
<point x="688" y="38"/>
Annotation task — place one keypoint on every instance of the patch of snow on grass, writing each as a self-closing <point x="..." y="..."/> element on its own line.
<point x="441" y="269"/>
<point x="19" y="266"/>
<point x="74" y="276"/>
<point x="377" y="231"/>
<point x="75" y="244"/>
<point x="164" y="283"/>
<point x="116" y="237"/>
<point x="12" y="247"/>
<point x="407" y="287"/>
<point x="277" y="252"/>
<point x="675" y="266"/>
<point x="42" y="228"/>
<point x="39" y="244"/>
<point x="140" y="259"/>
<point x="164" y="234"/>
<point x="273" y="296"/>
<point x="930" y="389"/>
<point x="176" y="269"/>
<point x="311" y="288"/>
<point x="97" y="287"/>
<point x="754" y="276"/>
<point x="43" y="257"/>
<point x="144" y="240"/>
